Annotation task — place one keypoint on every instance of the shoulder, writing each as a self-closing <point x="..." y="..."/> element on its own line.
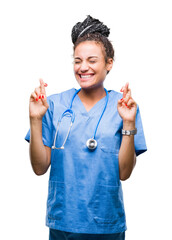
<point x="67" y="93"/>
<point x="62" y="98"/>
<point x="114" y="96"/>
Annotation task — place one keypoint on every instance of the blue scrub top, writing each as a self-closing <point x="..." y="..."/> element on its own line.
<point x="85" y="192"/>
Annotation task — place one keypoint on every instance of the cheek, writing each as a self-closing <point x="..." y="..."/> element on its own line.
<point x="75" y="68"/>
<point x="103" y="70"/>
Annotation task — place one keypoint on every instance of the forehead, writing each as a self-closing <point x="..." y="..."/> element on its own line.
<point x="89" y="48"/>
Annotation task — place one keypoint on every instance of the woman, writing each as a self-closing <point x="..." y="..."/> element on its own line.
<point x="88" y="136"/>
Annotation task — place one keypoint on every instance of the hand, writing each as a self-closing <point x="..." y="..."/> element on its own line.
<point x="38" y="102"/>
<point x="126" y="106"/>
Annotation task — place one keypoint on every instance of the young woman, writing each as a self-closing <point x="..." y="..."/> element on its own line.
<point x="91" y="138"/>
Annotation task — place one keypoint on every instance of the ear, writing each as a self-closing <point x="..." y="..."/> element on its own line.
<point x="109" y="64"/>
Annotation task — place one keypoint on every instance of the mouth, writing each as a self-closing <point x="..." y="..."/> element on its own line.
<point x="86" y="77"/>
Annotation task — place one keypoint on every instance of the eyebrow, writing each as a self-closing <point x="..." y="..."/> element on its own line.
<point x="88" y="57"/>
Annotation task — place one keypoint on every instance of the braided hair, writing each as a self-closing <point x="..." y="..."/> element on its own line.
<point x="92" y="29"/>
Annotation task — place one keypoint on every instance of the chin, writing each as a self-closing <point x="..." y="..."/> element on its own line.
<point x="86" y="85"/>
<point x="91" y="87"/>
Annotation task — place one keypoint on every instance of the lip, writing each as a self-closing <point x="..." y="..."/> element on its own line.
<point x="86" y="77"/>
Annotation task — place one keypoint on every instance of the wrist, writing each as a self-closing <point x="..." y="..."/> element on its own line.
<point x="127" y="125"/>
<point x="35" y="130"/>
<point x="35" y="120"/>
<point x="35" y="123"/>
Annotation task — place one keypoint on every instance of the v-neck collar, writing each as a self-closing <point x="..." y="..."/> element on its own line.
<point x="95" y="108"/>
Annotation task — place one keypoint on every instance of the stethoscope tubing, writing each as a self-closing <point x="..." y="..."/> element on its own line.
<point x="91" y="143"/>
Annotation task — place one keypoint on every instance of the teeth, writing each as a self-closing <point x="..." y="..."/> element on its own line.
<point x="86" y="76"/>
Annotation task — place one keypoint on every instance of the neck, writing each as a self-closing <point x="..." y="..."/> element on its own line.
<point x="89" y="97"/>
<point x="94" y="94"/>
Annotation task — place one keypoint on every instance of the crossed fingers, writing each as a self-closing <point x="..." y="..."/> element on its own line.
<point x="39" y="92"/>
<point x="127" y="99"/>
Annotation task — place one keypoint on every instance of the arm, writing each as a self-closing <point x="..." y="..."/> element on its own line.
<point x="39" y="153"/>
<point x="127" y="158"/>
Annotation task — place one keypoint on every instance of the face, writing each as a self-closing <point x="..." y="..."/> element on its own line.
<point x="90" y="68"/>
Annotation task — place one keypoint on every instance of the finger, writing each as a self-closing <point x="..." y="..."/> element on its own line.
<point x="120" y="101"/>
<point x="38" y="92"/>
<point x="125" y="89"/>
<point x="131" y="103"/>
<point x="124" y="105"/>
<point x="33" y="97"/>
<point x="127" y="85"/>
<point x="44" y="100"/>
<point x="122" y="89"/>
<point x="42" y="90"/>
<point x="127" y="96"/>
<point x="42" y="86"/>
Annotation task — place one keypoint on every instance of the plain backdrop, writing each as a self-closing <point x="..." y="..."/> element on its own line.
<point x="35" y="41"/>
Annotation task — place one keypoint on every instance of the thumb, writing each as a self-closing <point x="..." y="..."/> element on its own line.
<point x="120" y="101"/>
<point x="44" y="100"/>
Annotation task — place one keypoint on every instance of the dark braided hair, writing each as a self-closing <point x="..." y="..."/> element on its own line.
<point x="92" y="29"/>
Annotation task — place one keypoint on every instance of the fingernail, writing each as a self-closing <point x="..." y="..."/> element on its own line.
<point x="45" y="84"/>
<point x="36" y="99"/>
<point x="42" y="96"/>
<point x="121" y="90"/>
<point x="39" y="96"/>
<point x="122" y="99"/>
<point x="126" y="105"/>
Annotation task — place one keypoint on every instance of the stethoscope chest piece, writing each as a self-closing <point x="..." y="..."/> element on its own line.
<point x="91" y="143"/>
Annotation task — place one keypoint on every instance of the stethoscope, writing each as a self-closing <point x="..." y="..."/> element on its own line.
<point x="91" y="143"/>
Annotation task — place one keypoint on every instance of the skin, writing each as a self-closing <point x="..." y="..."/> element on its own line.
<point x="90" y="69"/>
<point x="89" y="60"/>
<point x="127" y="108"/>
<point x="40" y="154"/>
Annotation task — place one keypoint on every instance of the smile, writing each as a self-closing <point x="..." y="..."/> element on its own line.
<point x="86" y="76"/>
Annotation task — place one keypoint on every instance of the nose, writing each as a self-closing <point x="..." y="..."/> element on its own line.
<point x="84" y="67"/>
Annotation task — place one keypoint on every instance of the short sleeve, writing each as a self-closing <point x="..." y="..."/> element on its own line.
<point x="139" y="139"/>
<point x="46" y="128"/>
